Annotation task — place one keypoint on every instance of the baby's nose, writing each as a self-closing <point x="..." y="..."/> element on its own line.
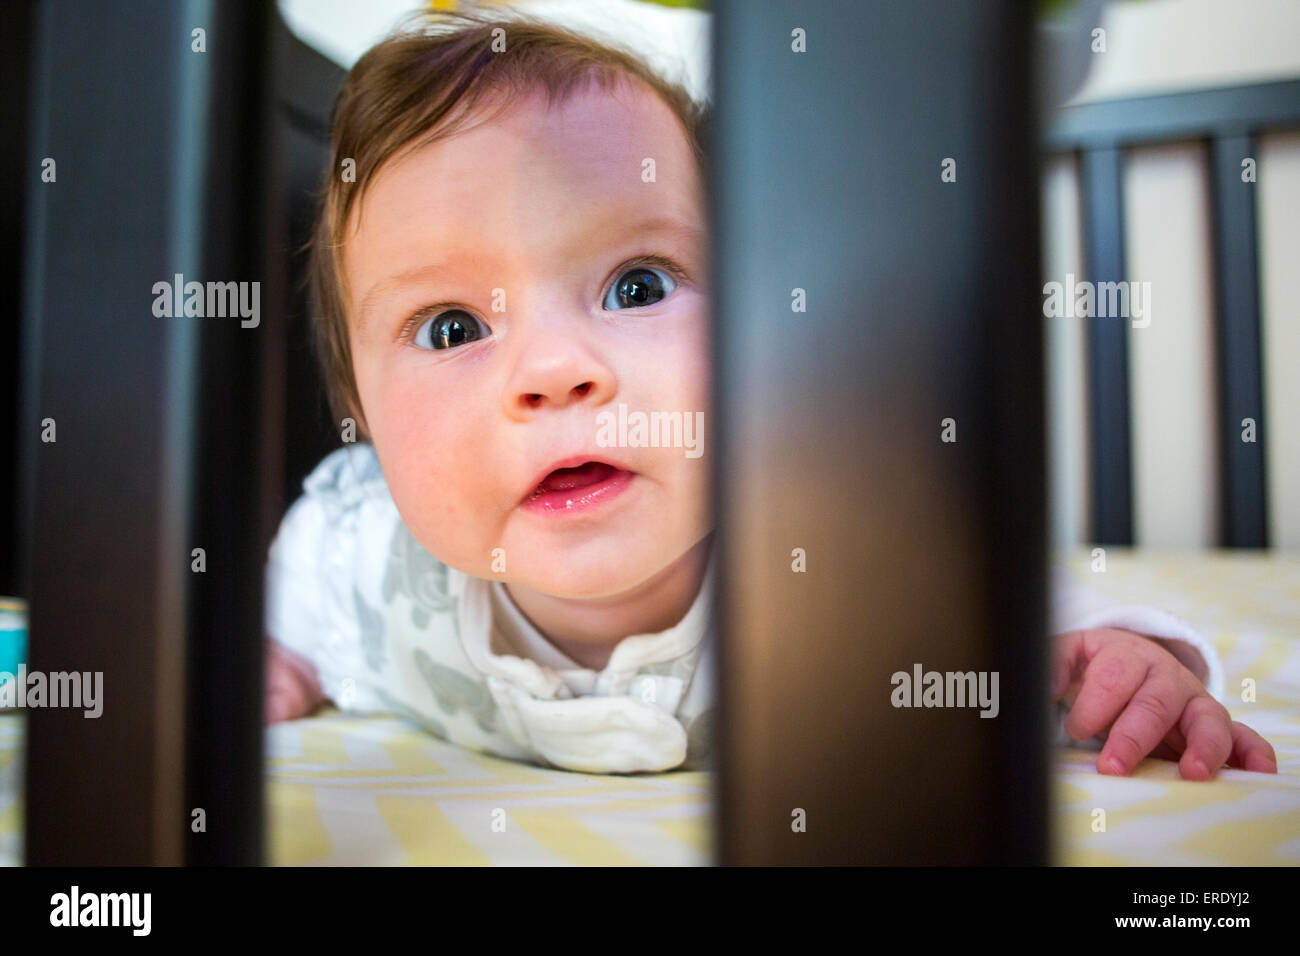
<point x="536" y="399"/>
<point x="566" y="378"/>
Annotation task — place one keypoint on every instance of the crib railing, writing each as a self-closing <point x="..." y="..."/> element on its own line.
<point x="1229" y="120"/>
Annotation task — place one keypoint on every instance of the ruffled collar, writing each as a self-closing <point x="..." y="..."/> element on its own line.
<point x="346" y="477"/>
<point x="630" y="655"/>
<point x="627" y="724"/>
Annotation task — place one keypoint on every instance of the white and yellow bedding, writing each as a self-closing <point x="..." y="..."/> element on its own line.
<point x="348" y="790"/>
<point x="374" y="790"/>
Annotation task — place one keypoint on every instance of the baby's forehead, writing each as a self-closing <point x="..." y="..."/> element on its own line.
<point x="625" y="133"/>
<point x="527" y="185"/>
<point x="524" y="161"/>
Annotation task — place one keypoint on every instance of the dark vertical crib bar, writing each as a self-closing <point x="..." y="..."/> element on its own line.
<point x="15" y="73"/>
<point x="891" y="432"/>
<point x="107" y="556"/>
<point x="1101" y="172"/>
<point x="1243" y="488"/>
<point x="160" y="427"/>
<point x="239" y="438"/>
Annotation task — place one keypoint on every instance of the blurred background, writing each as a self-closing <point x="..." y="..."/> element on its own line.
<point x="1172" y="375"/>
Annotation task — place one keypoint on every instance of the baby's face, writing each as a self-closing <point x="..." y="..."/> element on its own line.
<point x="500" y="299"/>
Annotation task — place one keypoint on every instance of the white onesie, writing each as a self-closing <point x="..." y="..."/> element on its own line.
<point x="390" y="629"/>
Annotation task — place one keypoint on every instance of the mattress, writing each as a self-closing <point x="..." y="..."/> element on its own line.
<point x="346" y="790"/>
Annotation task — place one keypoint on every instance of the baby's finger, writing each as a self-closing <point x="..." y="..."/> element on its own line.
<point x="1142" y="726"/>
<point x="1205" y="724"/>
<point x="1250" y="751"/>
<point x="1109" y="683"/>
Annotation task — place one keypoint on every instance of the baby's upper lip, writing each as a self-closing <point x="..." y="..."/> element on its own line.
<point x="573" y="461"/>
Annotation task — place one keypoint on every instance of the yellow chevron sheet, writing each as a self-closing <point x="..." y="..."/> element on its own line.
<point x="345" y="790"/>
<point x="375" y="790"/>
<point x="11" y="789"/>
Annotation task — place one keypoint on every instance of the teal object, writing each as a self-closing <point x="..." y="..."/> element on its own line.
<point x="13" y="635"/>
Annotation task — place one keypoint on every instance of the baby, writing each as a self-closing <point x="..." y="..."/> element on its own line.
<point x="497" y="263"/>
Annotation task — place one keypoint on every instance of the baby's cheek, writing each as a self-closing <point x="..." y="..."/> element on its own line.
<point x="433" y="468"/>
<point x="440" y="512"/>
<point x="695" y="361"/>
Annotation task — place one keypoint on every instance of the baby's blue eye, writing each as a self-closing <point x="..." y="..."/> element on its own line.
<point x="450" y="329"/>
<point x="638" y="287"/>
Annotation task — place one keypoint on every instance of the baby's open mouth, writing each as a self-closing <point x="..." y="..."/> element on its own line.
<point x="567" y="479"/>
<point x="577" y="488"/>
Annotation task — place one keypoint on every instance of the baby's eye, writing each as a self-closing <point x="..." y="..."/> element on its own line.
<point x="638" y="287"/>
<point x="450" y="329"/>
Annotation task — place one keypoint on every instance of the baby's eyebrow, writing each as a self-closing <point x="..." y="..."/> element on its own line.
<point x="386" y="285"/>
<point x="663" y="225"/>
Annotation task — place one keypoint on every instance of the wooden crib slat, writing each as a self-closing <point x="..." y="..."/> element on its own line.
<point x="1244" y="500"/>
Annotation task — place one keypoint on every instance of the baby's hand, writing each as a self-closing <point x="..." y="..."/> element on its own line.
<point x="291" y="687"/>
<point x="1152" y="705"/>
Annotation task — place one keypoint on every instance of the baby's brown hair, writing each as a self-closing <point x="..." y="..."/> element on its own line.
<point x="418" y="86"/>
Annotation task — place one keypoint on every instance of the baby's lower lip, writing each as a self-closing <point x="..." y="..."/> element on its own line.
<point x="585" y="489"/>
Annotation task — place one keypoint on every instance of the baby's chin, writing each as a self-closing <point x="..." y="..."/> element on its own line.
<point x="630" y="564"/>
<point x="583" y="577"/>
